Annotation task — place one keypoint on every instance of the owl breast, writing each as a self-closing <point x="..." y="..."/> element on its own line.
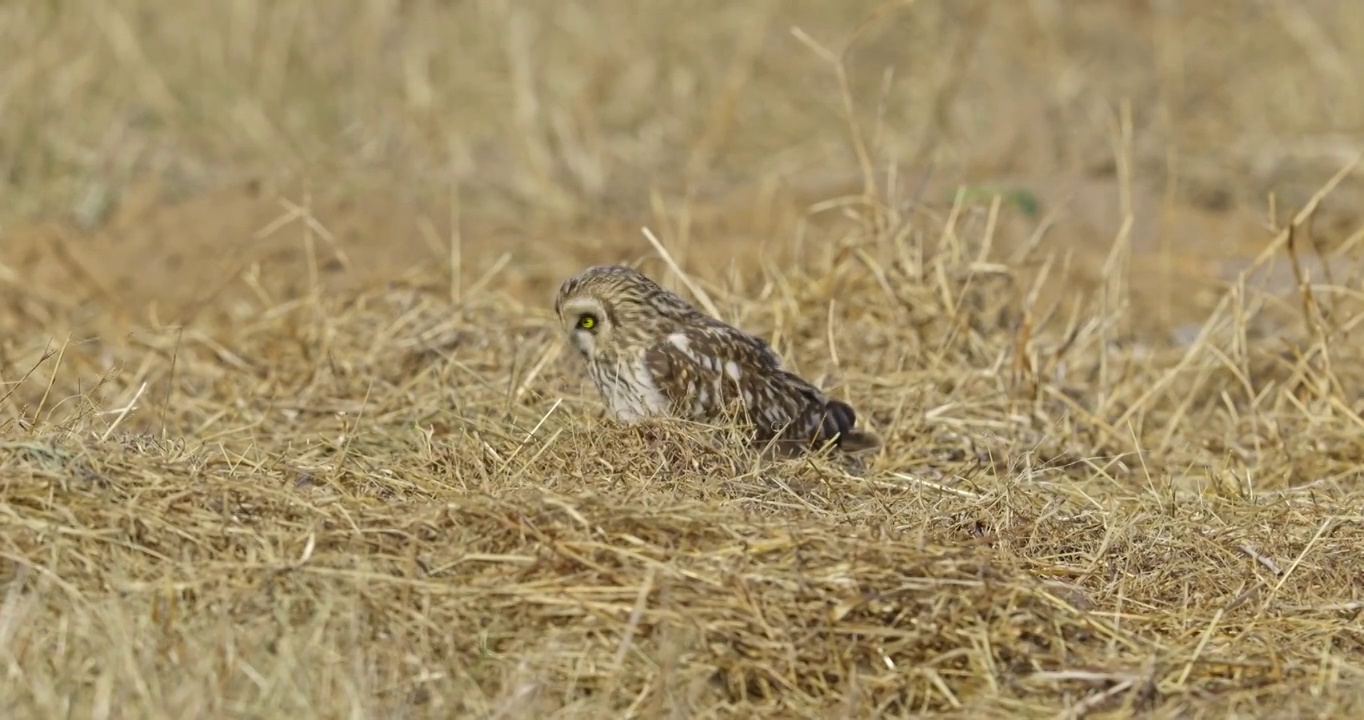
<point x="628" y="389"/>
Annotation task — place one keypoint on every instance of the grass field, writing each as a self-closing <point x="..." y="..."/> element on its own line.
<point x="287" y="428"/>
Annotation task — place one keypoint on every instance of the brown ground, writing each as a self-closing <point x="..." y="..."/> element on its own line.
<point x="285" y="429"/>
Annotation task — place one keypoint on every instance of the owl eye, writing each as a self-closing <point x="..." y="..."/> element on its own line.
<point x="587" y="321"/>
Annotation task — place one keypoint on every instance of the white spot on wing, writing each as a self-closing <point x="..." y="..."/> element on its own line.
<point x="681" y="342"/>
<point x="732" y="369"/>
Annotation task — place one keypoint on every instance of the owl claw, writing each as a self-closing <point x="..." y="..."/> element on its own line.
<point x="650" y="433"/>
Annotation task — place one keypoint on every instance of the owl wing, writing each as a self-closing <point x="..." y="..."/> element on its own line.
<point x="704" y="370"/>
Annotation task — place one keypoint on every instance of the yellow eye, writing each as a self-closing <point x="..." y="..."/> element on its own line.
<point x="587" y="321"/>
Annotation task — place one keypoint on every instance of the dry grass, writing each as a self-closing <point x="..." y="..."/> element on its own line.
<point x="290" y="479"/>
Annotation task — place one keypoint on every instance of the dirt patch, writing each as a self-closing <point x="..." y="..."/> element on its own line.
<point x="154" y="258"/>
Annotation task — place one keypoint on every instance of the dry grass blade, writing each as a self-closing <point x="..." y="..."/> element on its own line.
<point x="697" y="291"/>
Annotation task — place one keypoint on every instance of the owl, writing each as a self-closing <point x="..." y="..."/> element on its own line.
<point x="650" y="353"/>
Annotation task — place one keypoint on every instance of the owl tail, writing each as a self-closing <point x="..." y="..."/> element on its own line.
<point x="838" y="425"/>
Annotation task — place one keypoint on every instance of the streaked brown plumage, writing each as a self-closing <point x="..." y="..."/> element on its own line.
<point x="651" y="353"/>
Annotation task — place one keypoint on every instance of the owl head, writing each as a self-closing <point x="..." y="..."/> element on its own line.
<point x="586" y="319"/>
<point x="607" y="309"/>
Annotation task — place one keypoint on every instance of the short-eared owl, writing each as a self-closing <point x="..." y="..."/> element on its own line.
<point x="651" y="353"/>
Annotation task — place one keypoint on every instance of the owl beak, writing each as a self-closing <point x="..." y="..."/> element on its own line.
<point x="582" y="341"/>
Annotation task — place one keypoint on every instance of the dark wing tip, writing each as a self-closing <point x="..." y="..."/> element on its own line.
<point x="839" y="417"/>
<point x="839" y="422"/>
